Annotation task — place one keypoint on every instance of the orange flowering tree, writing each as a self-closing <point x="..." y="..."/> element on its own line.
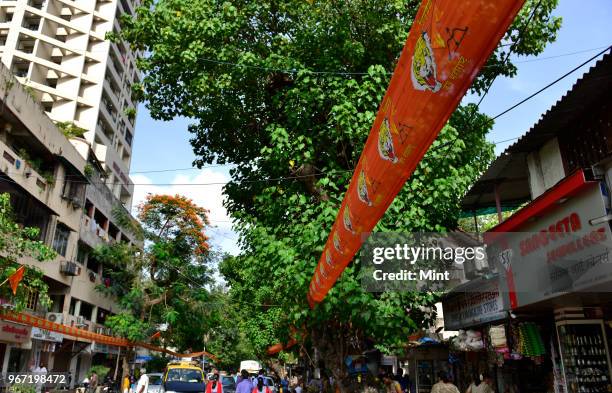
<point x="166" y="284"/>
<point x="175" y="226"/>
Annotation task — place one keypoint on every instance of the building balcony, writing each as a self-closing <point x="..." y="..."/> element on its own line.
<point x="23" y="173"/>
<point x="91" y="233"/>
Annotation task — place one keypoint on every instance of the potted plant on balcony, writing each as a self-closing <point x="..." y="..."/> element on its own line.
<point x="130" y="113"/>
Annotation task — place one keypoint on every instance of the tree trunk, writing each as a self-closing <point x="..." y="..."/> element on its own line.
<point x="332" y="343"/>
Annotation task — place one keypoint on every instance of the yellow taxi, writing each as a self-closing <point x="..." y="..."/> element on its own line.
<point x="183" y="377"/>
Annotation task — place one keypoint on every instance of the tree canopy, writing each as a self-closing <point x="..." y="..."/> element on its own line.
<point x="286" y="92"/>
<point x="161" y="285"/>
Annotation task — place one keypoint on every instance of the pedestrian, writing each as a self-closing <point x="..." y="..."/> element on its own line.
<point x="481" y="386"/>
<point x="214" y="386"/>
<point x="444" y="384"/>
<point x="125" y="385"/>
<point x="93" y="382"/>
<point x="261" y="387"/>
<point x="391" y="385"/>
<point x="299" y="388"/>
<point x="284" y="385"/>
<point x="245" y="385"/>
<point x="143" y="382"/>
<point x="40" y="370"/>
<point x="403" y="380"/>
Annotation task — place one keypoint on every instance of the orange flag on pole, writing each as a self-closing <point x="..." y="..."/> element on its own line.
<point x="16" y="278"/>
<point x="448" y="43"/>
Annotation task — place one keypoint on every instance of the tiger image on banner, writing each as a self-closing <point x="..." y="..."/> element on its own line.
<point x="424" y="70"/>
<point x="346" y="218"/>
<point x="337" y="244"/>
<point x="328" y="260"/>
<point x="385" y="141"/>
<point x="362" y="189"/>
<point x="322" y="271"/>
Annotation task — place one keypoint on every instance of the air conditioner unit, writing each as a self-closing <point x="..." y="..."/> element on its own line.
<point x="70" y="268"/>
<point x="80" y="320"/>
<point x="56" y="317"/>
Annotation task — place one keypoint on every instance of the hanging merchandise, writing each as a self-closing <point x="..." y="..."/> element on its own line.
<point x="530" y="340"/>
<point x="514" y="341"/>
<point x="497" y="334"/>
<point x="468" y="340"/>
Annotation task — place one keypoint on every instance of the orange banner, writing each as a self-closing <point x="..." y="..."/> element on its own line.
<point x="448" y="43"/>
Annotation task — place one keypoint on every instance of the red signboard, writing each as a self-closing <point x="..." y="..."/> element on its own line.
<point x="448" y="43"/>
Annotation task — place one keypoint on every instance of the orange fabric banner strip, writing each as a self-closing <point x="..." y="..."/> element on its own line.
<point x="42" y="323"/>
<point x="448" y="43"/>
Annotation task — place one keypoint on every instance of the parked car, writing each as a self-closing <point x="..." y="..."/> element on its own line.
<point x="229" y="384"/>
<point x="155" y="382"/>
<point x="183" y="377"/>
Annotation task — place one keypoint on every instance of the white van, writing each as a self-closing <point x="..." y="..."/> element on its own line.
<point x="252" y="366"/>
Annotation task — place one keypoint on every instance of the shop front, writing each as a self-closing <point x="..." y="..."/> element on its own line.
<point x="539" y="318"/>
<point x="44" y="344"/>
<point x="15" y="345"/>
<point x="554" y="265"/>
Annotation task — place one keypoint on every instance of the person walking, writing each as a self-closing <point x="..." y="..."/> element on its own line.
<point x="143" y="382"/>
<point x="40" y="370"/>
<point x="244" y="385"/>
<point x="125" y="386"/>
<point x="261" y="387"/>
<point x="444" y="384"/>
<point x="214" y="385"/>
<point x="481" y="386"/>
<point x="391" y="385"/>
<point x="93" y="382"/>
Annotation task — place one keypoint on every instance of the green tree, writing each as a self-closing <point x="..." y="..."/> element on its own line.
<point x="170" y="283"/>
<point x="17" y="242"/>
<point x="249" y="74"/>
<point x="166" y="283"/>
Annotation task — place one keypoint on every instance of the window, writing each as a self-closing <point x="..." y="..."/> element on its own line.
<point x="32" y="300"/>
<point x="86" y="310"/>
<point x="72" y="309"/>
<point x="82" y="253"/>
<point x="57" y="304"/>
<point x="60" y="241"/>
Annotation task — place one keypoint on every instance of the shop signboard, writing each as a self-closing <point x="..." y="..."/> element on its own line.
<point x="564" y="250"/>
<point x="46" y="335"/>
<point x="14" y="333"/>
<point x="104" y="348"/>
<point x="478" y="303"/>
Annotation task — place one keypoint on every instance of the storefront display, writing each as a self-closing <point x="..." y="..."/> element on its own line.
<point x="584" y="353"/>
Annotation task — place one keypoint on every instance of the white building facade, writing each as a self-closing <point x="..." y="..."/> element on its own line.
<point x="58" y="49"/>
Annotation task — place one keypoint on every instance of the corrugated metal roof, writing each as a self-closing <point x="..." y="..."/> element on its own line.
<point x="509" y="171"/>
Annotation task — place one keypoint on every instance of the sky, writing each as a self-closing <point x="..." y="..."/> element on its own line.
<point x="162" y="155"/>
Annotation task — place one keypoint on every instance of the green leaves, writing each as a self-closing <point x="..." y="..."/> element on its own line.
<point x="17" y="242"/>
<point x="287" y="92"/>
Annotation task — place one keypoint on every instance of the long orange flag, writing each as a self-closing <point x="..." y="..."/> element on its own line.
<point x="448" y="43"/>
<point x="16" y="278"/>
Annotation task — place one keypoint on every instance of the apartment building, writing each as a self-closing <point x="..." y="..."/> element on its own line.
<point x="53" y="188"/>
<point x="58" y="49"/>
